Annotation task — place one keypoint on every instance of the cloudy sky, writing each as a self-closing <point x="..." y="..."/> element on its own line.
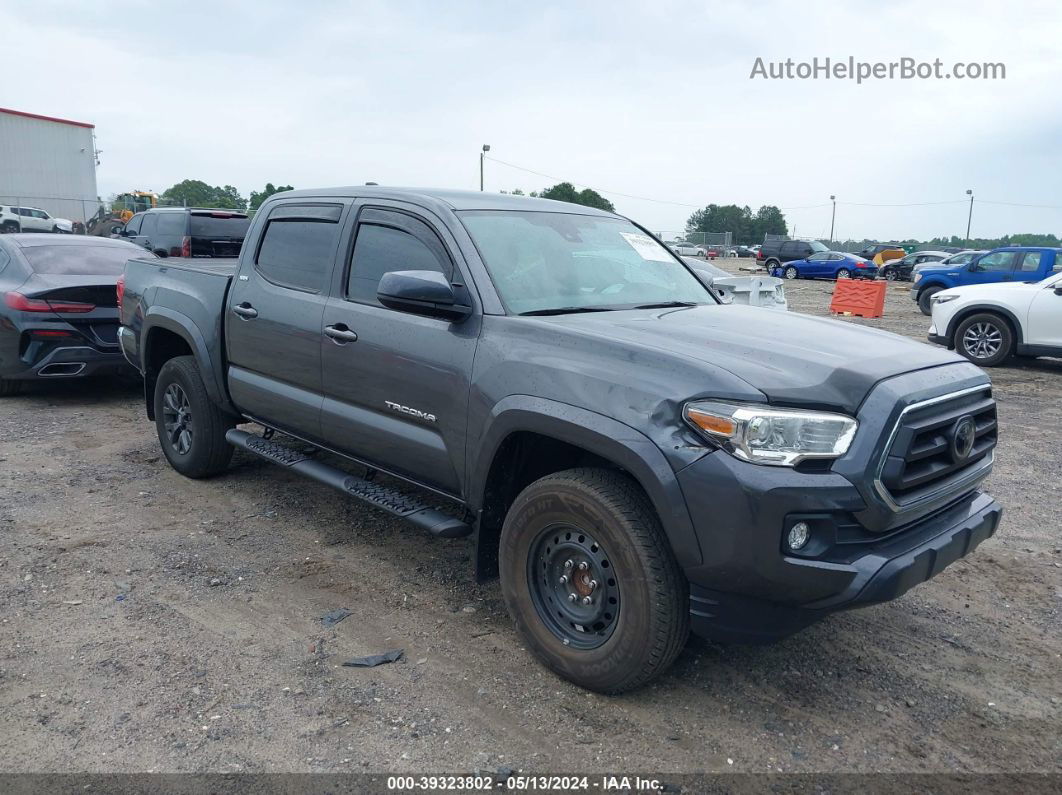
<point x="650" y="99"/>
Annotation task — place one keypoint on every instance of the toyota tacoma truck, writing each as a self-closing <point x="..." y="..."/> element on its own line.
<point x="633" y="458"/>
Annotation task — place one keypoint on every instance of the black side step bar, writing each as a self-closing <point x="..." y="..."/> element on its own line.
<point x="378" y="496"/>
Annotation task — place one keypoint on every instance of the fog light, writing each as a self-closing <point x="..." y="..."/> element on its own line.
<point x="799" y="535"/>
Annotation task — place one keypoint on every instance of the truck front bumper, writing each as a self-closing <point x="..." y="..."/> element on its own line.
<point x="752" y="589"/>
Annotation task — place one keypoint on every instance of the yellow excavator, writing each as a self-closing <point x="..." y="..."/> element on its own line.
<point x="123" y="207"/>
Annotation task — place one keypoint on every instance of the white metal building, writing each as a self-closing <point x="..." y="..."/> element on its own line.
<point x="47" y="163"/>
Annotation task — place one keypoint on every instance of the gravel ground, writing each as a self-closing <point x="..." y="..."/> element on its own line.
<point x="153" y="623"/>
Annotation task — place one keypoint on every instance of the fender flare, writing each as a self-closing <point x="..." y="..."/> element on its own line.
<point x="183" y="326"/>
<point x="934" y="283"/>
<point x="610" y="439"/>
<point x="966" y="311"/>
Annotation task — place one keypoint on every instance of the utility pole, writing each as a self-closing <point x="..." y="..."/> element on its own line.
<point x="833" y="217"/>
<point x="969" y="218"/>
<point x="482" y="155"/>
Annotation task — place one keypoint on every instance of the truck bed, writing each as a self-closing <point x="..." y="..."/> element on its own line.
<point x="214" y="267"/>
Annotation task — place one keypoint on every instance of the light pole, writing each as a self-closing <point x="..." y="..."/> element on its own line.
<point x="833" y="217"/>
<point x="483" y="154"/>
<point x="969" y="218"/>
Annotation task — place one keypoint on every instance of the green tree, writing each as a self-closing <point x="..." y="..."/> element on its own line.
<point x="257" y="197"/>
<point x="743" y="225"/>
<point x="566" y="192"/>
<point x="196" y="193"/>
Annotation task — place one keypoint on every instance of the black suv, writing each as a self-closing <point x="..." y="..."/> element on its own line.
<point x="188" y="231"/>
<point x="774" y="252"/>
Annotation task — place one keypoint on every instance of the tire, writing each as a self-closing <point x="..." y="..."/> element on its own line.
<point x="891" y="275"/>
<point x="986" y="339"/>
<point x="791" y="272"/>
<point x="844" y="273"/>
<point x="9" y="388"/>
<point x="9" y="228"/>
<point x="771" y="264"/>
<point x="924" y="299"/>
<point x="641" y="615"/>
<point x="194" y="444"/>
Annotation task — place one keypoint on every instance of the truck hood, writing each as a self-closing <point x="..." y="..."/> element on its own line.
<point x="795" y="360"/>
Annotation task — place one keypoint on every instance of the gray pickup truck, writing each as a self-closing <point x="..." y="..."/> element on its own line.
<point x="632" y="457"/>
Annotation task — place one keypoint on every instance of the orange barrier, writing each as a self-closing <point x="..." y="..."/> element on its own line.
<point x="859" y="297"/>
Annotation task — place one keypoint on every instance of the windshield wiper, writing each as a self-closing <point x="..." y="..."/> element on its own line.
<point x="666" y="305"/>
<point x="567" y="310"/>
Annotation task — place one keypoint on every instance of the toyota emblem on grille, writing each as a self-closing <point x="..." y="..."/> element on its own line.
<point x="962" y="438"/>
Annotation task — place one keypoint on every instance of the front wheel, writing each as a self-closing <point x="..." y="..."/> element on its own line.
<point x="591" y="582"/>
<point x="891" y="275"/>
<point x="985" y="339"/>
<point x="190" y="425"/>
<point x="790" y="272"/>
<point x="925" y="299"/>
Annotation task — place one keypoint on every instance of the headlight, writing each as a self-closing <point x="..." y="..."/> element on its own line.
<point x="917" y="277"/>
<point x="778" y="437"/>
<point x="941" y="299"/>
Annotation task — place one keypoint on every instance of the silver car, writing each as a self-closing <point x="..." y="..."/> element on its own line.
<point x="688" y="249"/>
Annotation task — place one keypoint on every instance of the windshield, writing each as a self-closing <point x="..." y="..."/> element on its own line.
<point x="88" y="260"/>
<point x="561" y="261"/>
<point x="817" y="246"/>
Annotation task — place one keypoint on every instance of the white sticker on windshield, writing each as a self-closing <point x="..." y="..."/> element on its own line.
<point x="647" y="248"/>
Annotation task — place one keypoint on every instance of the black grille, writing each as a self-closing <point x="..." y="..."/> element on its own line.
<point x="927" y="452"/>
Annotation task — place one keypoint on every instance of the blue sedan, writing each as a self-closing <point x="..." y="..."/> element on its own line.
<point x="827" y="265"/>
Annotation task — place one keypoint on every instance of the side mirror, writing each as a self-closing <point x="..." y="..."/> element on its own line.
<point x="421" y="293"/>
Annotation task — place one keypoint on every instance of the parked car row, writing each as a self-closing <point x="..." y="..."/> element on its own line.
<point x="990" y="319"/>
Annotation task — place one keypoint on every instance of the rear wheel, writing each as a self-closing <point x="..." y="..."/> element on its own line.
<point x="9" y="388"/>
<point x="924" y="299"/>
<point x="590" y="580"/>
<point x="985" y="339"/>
<point x="190" y="425"/>
<point x="791" y="272"/>
<point x="844" y="273"/>
<point x="8" y="227"/>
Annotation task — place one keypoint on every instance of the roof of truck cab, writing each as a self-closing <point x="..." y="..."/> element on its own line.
<point x="453" y="199"/>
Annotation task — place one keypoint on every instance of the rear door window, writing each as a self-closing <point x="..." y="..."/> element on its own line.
<point x="151" y="221"/>
<point x="298" y="246"/>
<point x="172" y="224"/>
<point x="1030" y="263"/>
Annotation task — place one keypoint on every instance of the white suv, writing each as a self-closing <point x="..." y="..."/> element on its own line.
<point x="31" y="219"/>
<point x="987" y="323"/>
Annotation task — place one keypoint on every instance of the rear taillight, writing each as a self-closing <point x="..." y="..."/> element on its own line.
<point x="759" y="255"/>
<point x="186" y="246"/>
<point x="119" y="290"/>
<point x="23" y="304"/>
<point x="47" y="334"/>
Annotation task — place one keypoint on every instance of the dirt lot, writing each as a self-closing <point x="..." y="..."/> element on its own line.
<point x="153" y="623"/>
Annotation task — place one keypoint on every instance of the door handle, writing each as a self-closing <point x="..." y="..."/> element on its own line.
<point x="245" y="310"/>
<point x="340" y="334"/>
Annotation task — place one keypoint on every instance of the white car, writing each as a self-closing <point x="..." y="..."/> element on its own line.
<point x="687" y="250"/>
<point x="987" y="323"/>
<point x="31" y="219"/>
<point x="765" y="291"/>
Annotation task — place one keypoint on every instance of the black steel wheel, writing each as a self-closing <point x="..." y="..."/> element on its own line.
<point x="591" y="581"/>
<point x="573" y="586"/>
